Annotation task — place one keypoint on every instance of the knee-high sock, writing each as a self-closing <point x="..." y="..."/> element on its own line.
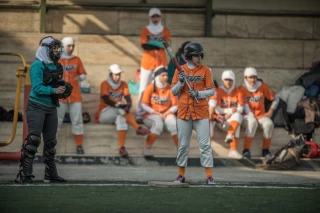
<point x="79" y="140"/>
<point x="266" y="143"/>
<point x="121" y="137"/>
<point x="175" y="140"/>
<point x="208" y="172"/>
<point x="233" y="125"/>
<point x="247" y="142"/>
<point x="151" y="139"/>
<point x="181" y="171"/>
<point x="130" y="119"/>
<point x="233" y="144"/>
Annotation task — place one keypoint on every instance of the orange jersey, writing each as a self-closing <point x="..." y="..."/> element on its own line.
<point x="115" y="95"/>
<point x="199" y="79"/>
<point x="255" y="100"/>
<point x="160" y="101"/>
<point x="225" y="100"/>
<point x="72" y="68"/>
<point x="154" y="58"/>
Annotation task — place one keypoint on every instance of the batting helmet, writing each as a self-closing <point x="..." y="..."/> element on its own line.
<point x="193" y="48"/>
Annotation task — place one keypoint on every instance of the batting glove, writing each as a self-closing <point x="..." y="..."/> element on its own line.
<point x="182" y="76"/>
<point x="193" y="93"/>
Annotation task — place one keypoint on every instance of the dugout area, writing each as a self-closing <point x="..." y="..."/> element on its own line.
<point x="139" y="197"/>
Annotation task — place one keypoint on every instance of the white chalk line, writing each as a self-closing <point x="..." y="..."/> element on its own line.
<point x="145" y="185"/>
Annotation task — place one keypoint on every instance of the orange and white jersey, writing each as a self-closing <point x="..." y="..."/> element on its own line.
<point x="160" y="101"/>
<point x="72" y="68"/>
<point x="115" y="95"/>
<point x="154" y="58"/>
<point x="255" y="100"/>
<point x="223" y="102"/>
<point x="199" y="79"/>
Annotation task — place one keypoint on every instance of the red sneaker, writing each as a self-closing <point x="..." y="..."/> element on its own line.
<point x="142" y="131"/>
<point x="123" y="152"/>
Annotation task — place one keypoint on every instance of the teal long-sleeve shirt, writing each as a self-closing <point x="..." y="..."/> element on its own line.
<point x="40" y="93"/>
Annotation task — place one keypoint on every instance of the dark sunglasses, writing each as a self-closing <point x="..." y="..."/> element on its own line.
<point x="228" y="80"/>
<point x="155" y="16"/>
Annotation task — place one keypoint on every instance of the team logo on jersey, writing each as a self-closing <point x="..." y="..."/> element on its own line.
<point x="160" y="100"/>
<point x="225" y="103"/>
<point x="195" y="78"/>
<point x="69" y="68"/>
<point x="116" y="95"/>
<point x="156" y="37"/>
<point x="254" y="99"/>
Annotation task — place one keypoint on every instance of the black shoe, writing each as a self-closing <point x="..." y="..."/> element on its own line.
<point x="25" y="179"/>
<point x="80" y="150"/>
<point x="246" y="153"/>
<point x="266" y="153"/>
<point x="49" y="179"/>
<point x="180" y="179"/>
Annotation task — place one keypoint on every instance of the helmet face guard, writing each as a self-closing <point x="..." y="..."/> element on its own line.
<point x="54" y="50"/>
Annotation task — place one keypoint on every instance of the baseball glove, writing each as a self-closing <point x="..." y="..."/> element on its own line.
<point x="126" y="107"/>
<point x="67" y="92"/>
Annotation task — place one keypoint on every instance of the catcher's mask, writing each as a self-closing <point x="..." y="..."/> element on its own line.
<point x="54" y="49"/>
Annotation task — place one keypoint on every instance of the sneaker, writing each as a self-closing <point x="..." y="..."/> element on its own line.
<point x="142" y="131"/>
<point x="246" y="153"/>
<point x="180" y="179"/>
<point x="229" y="138"/>
<point x="147" y="152"/>
<point x="25" y="179"/>
<point x="123" y="152"/>
<point x="266" y="153"/>
<point x="210" y="181"/>
<point x="49" y="179"/>
<point x="139" y="121"/>
<point x="80" y="150"/>
<point x="234" y="154"/>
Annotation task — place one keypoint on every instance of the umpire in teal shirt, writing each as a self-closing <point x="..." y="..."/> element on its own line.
<point x="46" y="80"/>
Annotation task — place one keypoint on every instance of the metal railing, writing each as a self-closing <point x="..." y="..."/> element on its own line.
<point x="21" y="72"/>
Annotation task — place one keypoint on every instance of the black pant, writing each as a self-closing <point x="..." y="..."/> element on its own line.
<point x="42" y="119"/>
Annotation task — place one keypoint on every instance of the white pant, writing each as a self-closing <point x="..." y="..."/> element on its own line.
<point x="145" y="79"/>
<point x="251" y="124"/>
<point x="156" y="124"/>
<point x="111" y="115"/>
<point x="234" y="117"/>
<point x="75" y="110"/>
<point x="201" y="126"/>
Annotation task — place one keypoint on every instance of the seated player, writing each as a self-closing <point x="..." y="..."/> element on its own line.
<point x="254" y="93"/>
<point x="160" y="105"/>
<point x="226" y="107"/>
<point x="113" y="111"/>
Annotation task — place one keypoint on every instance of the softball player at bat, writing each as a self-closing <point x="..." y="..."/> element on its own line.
<point x="226" y="106"/>
<point x="113" y="111"/>
<point x="190" y="114"/>
<point x="254" y="93"/>
<point x="160" y="105"/>
<point x="154" y="55"/>
<point x="73" y="73"/>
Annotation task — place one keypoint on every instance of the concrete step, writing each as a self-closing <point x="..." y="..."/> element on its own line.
<point x="101" y="140"/>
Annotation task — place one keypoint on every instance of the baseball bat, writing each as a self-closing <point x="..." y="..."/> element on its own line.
<point x="177" y="65"/>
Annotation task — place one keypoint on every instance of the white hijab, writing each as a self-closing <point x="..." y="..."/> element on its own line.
<point x="67" y="41"/>
<point x="155" y="29"/>
<point x="42" y="53"/>
<point x="228" y="74"/>
<point x="158" y="82"/>
<point x="250" y="71"/>
<point x="113" y="84"/>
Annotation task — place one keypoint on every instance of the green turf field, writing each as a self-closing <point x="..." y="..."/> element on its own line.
<point x="142" y="198"/>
